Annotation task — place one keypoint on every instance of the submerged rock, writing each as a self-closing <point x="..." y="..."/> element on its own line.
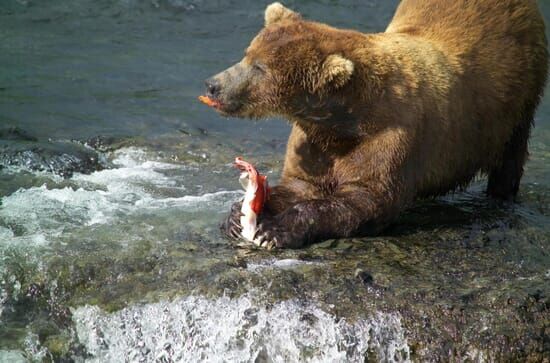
<point x="19" y="148"/>
<point x="128" y="264"/>
<point x="16" y="133"/>
<point x="454" y="301"/>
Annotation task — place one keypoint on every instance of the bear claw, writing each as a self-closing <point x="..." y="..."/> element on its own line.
<point x="231" y="226"/>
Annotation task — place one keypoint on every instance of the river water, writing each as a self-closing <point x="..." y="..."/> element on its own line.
<point x="113" y="180"/>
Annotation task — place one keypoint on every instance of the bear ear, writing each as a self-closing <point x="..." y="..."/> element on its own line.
<point x="277" y="12"/>
<point x="336" y="71"/>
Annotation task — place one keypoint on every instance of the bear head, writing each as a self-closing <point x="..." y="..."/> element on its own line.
<point x="293" y="68"/>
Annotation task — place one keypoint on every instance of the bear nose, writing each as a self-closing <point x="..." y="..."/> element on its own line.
<point x="212" y="87"/>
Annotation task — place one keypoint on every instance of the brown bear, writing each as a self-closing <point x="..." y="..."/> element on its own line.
<point x="448" y="91"/>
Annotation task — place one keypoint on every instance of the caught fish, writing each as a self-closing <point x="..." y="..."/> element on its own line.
<point x="209" y="101"/>
<point x="256" y="194"/>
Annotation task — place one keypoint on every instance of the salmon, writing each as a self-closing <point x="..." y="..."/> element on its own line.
<point x="256" y="194"/>
<point x="209" y="101"/>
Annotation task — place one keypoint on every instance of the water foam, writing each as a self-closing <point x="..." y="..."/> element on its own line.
<point x="137" y="183"/>
<point x="288" y="263"/>
<point x="195" y="329"/>
<point x="12" y="356"/>
<point x="43" y="209"/>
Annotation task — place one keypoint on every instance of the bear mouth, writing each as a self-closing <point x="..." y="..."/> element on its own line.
<point x="233" y="110"/>
<point x="211" y="102"/>
<point x="230" y="109"/>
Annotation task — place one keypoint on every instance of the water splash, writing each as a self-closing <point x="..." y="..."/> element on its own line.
<point x="34" y="349"/>
<point x="12" y="356"/>
<point x="36" y="215"/>
<point x="287" y="263"/>
<point x="196" y="329"/>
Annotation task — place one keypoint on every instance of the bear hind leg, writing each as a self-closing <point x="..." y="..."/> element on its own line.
<point x="504" y="179"/>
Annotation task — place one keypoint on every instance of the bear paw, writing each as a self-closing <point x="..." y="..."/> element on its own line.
<point x="274" y="234"/>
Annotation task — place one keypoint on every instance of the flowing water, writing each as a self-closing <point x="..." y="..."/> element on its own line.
<point x="113" y="179"/>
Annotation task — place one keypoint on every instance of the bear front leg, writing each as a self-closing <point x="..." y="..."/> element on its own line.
<point x="311" y="221"/>
<point x="281" y="198"/>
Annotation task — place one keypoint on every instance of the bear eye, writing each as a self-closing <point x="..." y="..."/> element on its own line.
<point x="259" y="67"/>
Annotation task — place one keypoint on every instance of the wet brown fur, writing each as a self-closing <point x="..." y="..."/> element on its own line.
<point x="447" y="91"/>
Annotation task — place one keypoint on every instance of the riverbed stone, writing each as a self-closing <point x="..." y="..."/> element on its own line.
<point x="63" y="158"/>
<point x="469" y="280"/>
<point x="459" y="300"/>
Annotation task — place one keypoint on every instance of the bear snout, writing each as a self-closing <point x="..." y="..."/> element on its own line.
<point x="230" y="89"/>
<point x="213" y="87"/>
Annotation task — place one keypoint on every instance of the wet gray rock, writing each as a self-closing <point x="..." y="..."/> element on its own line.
<point x="469" y="278"/>
<point x="458" y="301"/>
<point x="19" y="148"/>
<point x="16" y="133"/>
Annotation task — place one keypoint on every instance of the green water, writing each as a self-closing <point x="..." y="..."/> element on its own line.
<point x="127" y="264"/>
